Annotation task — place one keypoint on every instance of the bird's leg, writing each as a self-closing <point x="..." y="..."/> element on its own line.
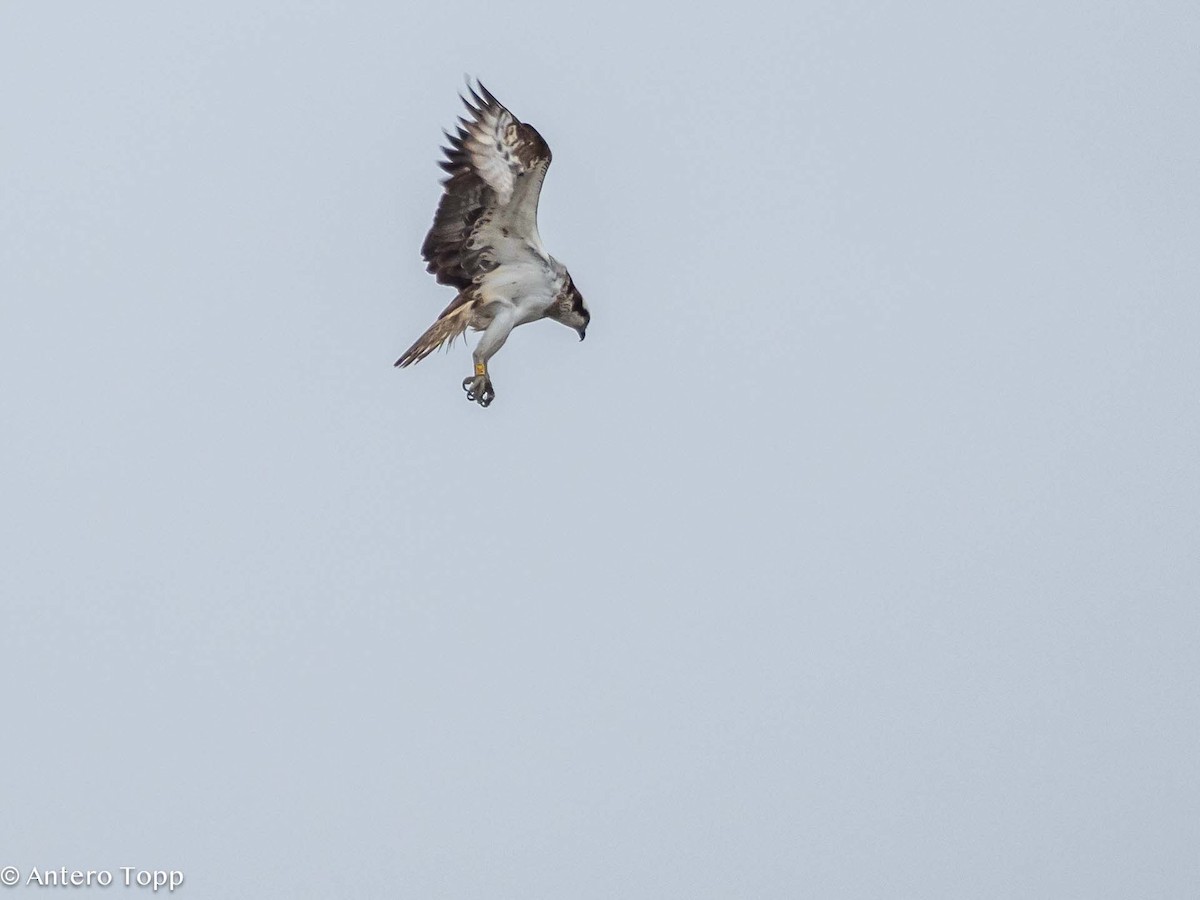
<point x="479" y="389"/>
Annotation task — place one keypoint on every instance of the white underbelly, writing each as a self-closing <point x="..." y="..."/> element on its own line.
<point x="527" y="288"/>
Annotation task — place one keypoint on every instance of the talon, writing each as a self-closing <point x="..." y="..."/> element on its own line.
<point x="479" y="390"/>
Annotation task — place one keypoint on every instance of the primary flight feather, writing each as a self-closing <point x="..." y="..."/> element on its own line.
<point x="485" y="243"/>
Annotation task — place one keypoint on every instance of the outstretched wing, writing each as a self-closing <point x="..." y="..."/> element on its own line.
<point x="495" y="165"/>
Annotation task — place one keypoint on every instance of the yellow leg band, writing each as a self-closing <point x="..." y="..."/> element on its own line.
<point x="480" y="368"/>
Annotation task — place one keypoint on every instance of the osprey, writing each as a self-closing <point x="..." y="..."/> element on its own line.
<point x="484" y="241"/>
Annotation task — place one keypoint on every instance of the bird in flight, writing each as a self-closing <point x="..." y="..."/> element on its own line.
<point x="485" y="243"/>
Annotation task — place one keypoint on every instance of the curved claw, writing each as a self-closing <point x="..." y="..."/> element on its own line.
<point x="479" y="390"/>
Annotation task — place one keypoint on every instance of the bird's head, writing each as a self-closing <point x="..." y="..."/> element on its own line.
<point x="578" y="315"/>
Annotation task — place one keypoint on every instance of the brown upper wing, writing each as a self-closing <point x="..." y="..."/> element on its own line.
<point x="495" y="165"/>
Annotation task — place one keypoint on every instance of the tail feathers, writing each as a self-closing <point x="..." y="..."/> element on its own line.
<point x="449" y="326"/>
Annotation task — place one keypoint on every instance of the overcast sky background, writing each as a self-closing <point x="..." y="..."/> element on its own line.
<point x="854" y="554"/>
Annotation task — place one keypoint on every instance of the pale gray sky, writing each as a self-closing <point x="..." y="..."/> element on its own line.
<point x="854" y="554"/>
